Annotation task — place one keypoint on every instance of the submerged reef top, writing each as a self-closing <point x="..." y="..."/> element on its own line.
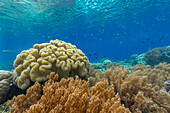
<point x="113" y="91"/>
<point x="57" y="56"/>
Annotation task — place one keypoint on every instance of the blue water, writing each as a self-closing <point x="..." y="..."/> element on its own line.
<point x="113" y="29"/>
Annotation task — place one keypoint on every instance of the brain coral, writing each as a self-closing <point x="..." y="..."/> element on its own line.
<point x="57" y="56"/>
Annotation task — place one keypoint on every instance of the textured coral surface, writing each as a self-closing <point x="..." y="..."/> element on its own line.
<point x="68" y="96"/>
<point x="57" y="56"/>
<point x="157" y="55"/>
<point x="139" y="88"/>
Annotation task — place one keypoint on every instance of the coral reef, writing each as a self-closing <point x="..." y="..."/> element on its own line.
<point x="152" y="57"/>
<point x="113" y="66"/>
<point x="167" y="51"/>
<point x="68" y="96"/>
<point x="117" y="90"/>
<point x="57" y="56"/>
<point x="140" y="92"/>
<point x="167" y="88"/>
<point x="156" y="76"/>
<point x="100" y="65"/>
<point x="157" y="55"/>
<point x="106" y="62"/>
<point x="95" y="76"/>
<point x="138" y="59"/>
<point x="96" y="65"/>
<point x="5" y="81"/>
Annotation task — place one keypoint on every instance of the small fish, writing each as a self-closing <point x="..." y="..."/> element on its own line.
<point x="95" y="54"/>
<point x="162" y="37"/>
<point x="143" y="42"/>
<point x="96" y="58"/>
<point x="121" y="42"/>
<point x="148" y="39"/>
<point x="9" y="50"/>
<point x="101" y="66"/>
<point x="89" y="54"/>
<point x="48" y="36"/>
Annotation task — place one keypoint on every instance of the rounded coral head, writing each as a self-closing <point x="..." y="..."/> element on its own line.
<point x="57" y="56"/>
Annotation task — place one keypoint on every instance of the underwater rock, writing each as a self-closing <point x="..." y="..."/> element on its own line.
<point x="5" y="81"/>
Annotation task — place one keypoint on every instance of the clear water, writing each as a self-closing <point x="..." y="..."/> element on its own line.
<point x="114" y="29"/>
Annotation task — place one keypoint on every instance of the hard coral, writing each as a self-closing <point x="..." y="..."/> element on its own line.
<point x="57" y="56"/>
<point x="157" y="55"/>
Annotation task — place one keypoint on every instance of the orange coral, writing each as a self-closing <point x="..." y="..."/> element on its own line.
<point x="22" y="102"/>
<point x="69" y="96"/>
<point x="113" y="66"/>
<point x="156" y="76"/>
<point x="139" y="86"/>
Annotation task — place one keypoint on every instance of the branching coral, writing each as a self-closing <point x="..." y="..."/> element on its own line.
<point x="165" y="69"/>
<point x="95" y="76"/>
<point x="156" y="76"/>
<point x="144" y="69"/>
<point x="57" y="56"/>
<point x="140" y="93"/>
<point x="113" y="66"/>
<point x="21" y="102"/>
<point x="69" y="96"/>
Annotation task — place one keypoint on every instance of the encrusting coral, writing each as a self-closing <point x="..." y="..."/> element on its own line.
<point x="57" y="56"/>
<point x="68" y="96"/>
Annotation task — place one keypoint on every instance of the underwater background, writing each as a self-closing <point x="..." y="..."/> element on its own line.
<point x="84" y="56"/>
<point x="114" y="29"/>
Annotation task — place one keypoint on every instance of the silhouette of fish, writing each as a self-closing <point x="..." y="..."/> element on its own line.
<point x="9" y="50"/>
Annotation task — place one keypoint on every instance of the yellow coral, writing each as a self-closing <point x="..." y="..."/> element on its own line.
<point x="56" y="56"/>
